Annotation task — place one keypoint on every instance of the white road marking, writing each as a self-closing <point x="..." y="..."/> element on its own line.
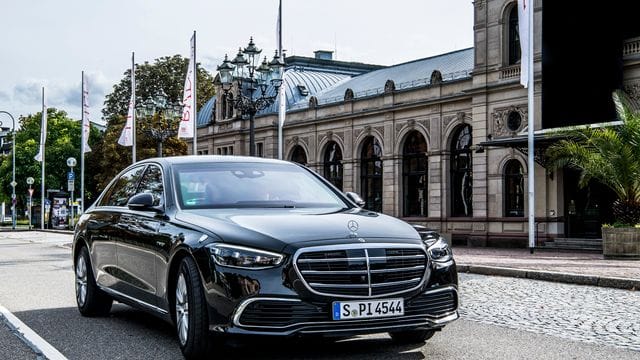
<point x="33" y="340"/>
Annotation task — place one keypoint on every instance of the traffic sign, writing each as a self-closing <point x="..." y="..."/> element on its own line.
<point x="70" y="185"/>
<point x="71" y="175"/>
<point x="30" y="192"/>
<point x="13" y="184"/>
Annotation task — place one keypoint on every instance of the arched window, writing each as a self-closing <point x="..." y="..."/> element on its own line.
<point x="371" y="173"/>
<point x="333" y="164"/>
<point x="414" y="175"/>
<point x="298" y="155"/>
<point x="223" y="107"/>
<point x="513" y="37"/>
<point x="513" y="189"/>
<point x="461" y="175"/>
<point x="229" y="106"/>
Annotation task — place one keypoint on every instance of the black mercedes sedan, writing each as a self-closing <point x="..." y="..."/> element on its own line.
<point x="221" y="245"/>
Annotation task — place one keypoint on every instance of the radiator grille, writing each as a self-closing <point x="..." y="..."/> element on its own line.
<point x="363" y="271"/>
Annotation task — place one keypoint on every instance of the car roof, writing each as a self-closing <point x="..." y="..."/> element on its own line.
<point x="191" y="159"/>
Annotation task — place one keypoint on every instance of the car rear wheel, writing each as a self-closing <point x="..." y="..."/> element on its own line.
<point x="191" y="317"/>
<point x="90" y="299"/>
<point x="411" y="336"/>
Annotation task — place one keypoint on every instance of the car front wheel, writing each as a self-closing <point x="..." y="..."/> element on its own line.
<point x="191" y="317"/>
<point x="90" y="299"/>
<point x="411" y="336"/>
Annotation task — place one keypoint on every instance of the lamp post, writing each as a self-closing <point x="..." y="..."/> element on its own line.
<point x="13" y="181"/>
<point x="30" y="181"/>
<point x="251" y="81"/>
<point x="166" y="114"/>
<point x="71" y="163"/>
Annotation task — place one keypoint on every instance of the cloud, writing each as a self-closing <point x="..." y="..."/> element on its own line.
<point x="26" y="97"/>
<point x="4" y="96"/>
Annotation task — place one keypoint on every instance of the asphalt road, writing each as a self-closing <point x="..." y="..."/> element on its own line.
<point x="36" y="285"/>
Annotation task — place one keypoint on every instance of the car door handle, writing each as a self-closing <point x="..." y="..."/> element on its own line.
<point x="160" y="243"/>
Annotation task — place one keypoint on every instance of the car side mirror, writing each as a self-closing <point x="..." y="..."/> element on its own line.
<point x="355" y="198"/>
<point x="143" y="202"/>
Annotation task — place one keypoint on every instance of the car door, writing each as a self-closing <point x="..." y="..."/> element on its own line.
<point x="139" y="242"/>
<point x="103" y="230"/>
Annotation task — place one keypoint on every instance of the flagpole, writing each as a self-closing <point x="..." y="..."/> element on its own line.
<point x="82" y="148"/>
<point x="531" y="124"/>
<point x="281" y="90"/>
<point x="42" y="136"/>
<point x="195" y="89"/>
<point x="133" y="113"/>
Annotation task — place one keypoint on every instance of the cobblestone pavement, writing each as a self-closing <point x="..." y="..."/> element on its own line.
<point x="597" y="315"/>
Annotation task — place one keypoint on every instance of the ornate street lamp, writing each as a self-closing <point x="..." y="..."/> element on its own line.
<point x="162" y="118"/>
<point x="13" y="181"/>
<point x="251" y="79"/>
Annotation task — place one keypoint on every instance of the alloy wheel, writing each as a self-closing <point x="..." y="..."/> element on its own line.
<point x="182" y="309"/>
<point x="81" y="281"/>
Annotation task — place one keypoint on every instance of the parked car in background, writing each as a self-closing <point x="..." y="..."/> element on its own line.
<point x="243" y="245"/>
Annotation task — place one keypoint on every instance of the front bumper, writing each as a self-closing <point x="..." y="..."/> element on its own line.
<point x="278" y="302"/>
<point x="431" y="309"/>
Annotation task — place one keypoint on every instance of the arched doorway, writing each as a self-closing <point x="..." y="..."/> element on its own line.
<point x="299" y="155"/>
<point x="333" y="164"/>
<point x="414" y="175"/>
<point x="461" y="173"/>
<point x="371" y="173"/>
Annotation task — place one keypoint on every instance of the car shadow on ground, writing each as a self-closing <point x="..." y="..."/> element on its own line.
<point x="128" y="333"/>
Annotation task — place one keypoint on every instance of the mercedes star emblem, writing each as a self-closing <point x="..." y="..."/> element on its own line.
<point x="352" y="225"/>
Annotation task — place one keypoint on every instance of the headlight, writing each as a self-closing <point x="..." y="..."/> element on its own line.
<point x="440" y="251"/>
<point x="437" y="246"/>
<point x="244" y="257"/>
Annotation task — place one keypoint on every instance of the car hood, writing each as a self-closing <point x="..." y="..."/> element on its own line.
<point x="277" y="228"/>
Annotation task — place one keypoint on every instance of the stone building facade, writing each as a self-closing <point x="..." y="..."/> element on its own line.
<point x="414" y="139"/>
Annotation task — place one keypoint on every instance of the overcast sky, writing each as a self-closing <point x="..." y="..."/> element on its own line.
<point x="49" y="42"/>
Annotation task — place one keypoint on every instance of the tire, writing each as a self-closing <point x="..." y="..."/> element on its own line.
<point x="190" y="309"/>
<point x="411" y="336"/>
<point x="90" y="299"/>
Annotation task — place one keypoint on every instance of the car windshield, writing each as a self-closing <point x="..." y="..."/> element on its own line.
<point x="251" y="185"/>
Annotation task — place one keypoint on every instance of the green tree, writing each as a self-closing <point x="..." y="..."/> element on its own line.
<point x="63" y="141"/>
<point x="610" y="155"/>
<point x="166" y="74"/>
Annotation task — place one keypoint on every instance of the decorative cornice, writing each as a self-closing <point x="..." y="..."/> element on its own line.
<point x="500" y="117"/>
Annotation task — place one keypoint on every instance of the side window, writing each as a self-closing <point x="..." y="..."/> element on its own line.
<point x="123" y="189"/>
<point x="151" y="182"/>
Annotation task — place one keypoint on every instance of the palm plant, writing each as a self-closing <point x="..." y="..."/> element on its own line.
<point x="610" y="155"/>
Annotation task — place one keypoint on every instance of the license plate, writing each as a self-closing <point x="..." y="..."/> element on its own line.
<point x="350" y="310"/>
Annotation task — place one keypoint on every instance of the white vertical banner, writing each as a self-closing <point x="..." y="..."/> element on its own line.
<point x="86" y="122"/>
<point x="524" y="8"/>
<point x="43" y="132"/>
<point x="84" y="141"/>
<point x="128" y="135"/>
<point x="188" y="123"/>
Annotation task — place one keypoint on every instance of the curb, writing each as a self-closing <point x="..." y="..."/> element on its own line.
<point x="591" y="280"/>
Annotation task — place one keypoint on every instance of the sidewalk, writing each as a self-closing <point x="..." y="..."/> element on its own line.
<point x="550" y="265"/>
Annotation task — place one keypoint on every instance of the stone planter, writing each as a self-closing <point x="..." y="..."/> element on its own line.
<point x="621" y="243"/>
